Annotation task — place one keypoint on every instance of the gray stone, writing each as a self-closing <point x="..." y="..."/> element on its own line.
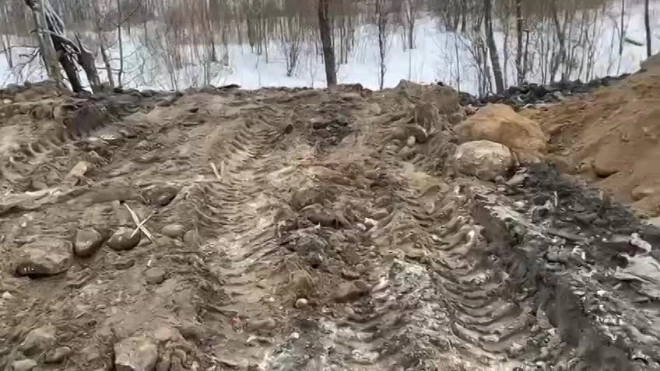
<point x="173" y="230"/>
<point x="47" y="257"/>
<point x="58" y="355"/>
<point x="136" y="354"/>
<point x="484" y="159"/>
<point x="155" y="276"/>
<point x="161" y="194"/>
<point x="121" y="240"/>
<point x="87" y="242"/>
<point x="23" y="365"/>
<point x="38" y="340"/>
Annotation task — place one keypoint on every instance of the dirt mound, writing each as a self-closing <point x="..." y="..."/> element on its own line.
<point x="613" y="138"/>
<point x="260" y="230"/>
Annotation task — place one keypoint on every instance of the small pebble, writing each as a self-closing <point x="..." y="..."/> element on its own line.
<point x="155" y="276"/>
<point x="302" y="303"/>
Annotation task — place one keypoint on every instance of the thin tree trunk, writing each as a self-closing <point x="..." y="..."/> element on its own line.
<point x="326" y="41"/>
<point x="45" y="42"/>
<point x="647" y="25"/>
<point x="108" y="65"/>
<point x="519" y="50"/>
<point x="121" y="44"/>
<point x="492" y="47"/>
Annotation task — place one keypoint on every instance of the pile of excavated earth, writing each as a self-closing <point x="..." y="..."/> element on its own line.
<point x="299" y="229"/>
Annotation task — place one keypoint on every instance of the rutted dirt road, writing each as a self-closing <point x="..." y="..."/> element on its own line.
<point x="285" y="230"/>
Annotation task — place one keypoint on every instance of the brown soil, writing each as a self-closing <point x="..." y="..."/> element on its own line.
<point x="612" y="137"/>
<point x="283" y="229"/>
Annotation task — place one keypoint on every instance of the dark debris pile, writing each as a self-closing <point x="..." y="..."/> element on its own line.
<point x="584" y="266"/>
<point x="532" y="93"/>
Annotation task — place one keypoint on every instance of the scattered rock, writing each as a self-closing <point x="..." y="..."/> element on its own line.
<point x="135" y="354"/>
<point x="123" y="264"/>
<point x="500" y="124"/>
<point x="302" y="303"/>
<point x="58" y="355"/>
<point x="155" y="276"/>
<point x="121" y="240"/>
<point x="23" y="365"/>
<point x="87" y="242"/>
<point x="173" y="230"/>
<point x="161" y="195"/>
<point x="411" y="141"/>
<point x="46" y="257"/>
<point x="483" y="159"/>
<point x="350" y="291"/>
<point x="38" y="340"/>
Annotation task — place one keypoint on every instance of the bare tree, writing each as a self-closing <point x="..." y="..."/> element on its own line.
<point x="519" y="47"/>
<point x="647" y="25"/>
<point x="410" y="14"/>
<point x="45" y="43"/>
<point x="492" y="47"/>
<point x="326" y="41"/>
<point x="66" y="50"/>
<point x="382" y="12"/>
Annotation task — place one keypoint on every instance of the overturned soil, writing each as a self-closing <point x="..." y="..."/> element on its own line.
<point x="293" y="229"/>
<point x="612" y="137"/>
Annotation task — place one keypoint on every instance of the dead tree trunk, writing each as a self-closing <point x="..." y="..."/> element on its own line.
<point x="647" y="25"/>
<point x="326" y="41"/>
<point x="519" y="49"/>
<point x="492" y="47"/>
<point x="45" y="43"/>
<point x="67" y="51"/>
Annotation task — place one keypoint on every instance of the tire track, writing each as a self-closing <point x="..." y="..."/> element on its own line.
<point x="237" y="213"/>
<point x="434" y="301"/>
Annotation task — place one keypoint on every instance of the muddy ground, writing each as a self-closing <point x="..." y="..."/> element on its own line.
<point x="294" y="229"/>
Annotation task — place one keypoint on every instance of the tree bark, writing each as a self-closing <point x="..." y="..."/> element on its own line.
<point x="45" y="43"/>
<point x="492" y="47"/>
<point x="519" y="50"/>
<point x="647" y="25"/>
<point x="326" y="41"/>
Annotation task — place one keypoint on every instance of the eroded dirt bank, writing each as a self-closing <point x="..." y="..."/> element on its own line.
<point x="298" y="230"/>
<point x="610" y="137"/>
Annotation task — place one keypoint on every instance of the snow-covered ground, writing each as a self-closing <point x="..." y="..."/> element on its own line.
<point x="438" y="55"/>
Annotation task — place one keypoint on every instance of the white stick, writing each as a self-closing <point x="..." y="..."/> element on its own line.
<point x="137" y="222"/>
<point x="215" y="170"/>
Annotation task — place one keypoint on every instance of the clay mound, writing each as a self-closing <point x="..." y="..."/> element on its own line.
<point x="612" y="138"/>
